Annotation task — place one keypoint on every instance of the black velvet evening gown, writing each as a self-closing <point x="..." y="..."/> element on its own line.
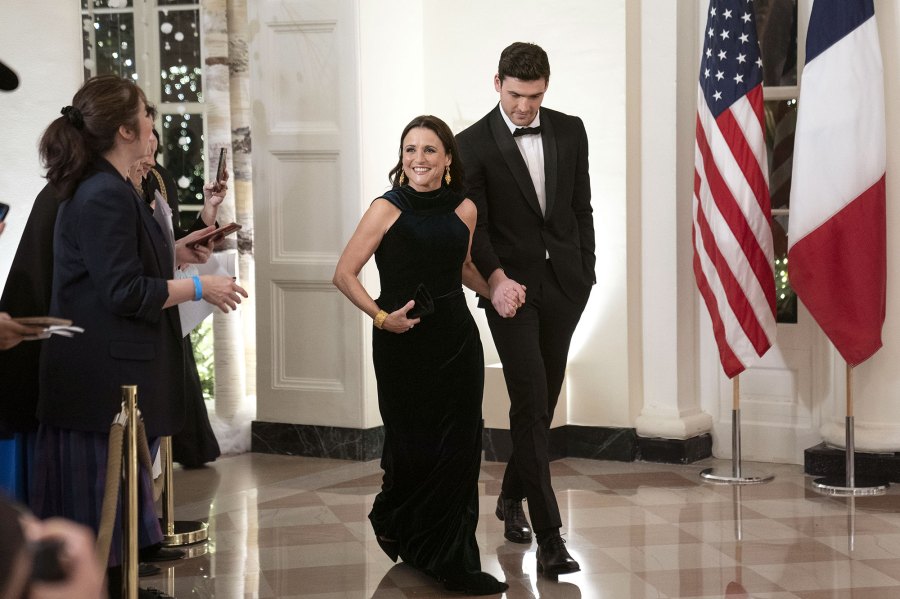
<point x="430" y="385"/>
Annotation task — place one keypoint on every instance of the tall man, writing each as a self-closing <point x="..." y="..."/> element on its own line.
<point x="527" y="172"/>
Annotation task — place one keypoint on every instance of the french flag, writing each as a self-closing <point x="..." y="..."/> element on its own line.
<point x="836" y="232"/>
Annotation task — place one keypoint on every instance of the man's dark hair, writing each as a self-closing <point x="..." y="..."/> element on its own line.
<point x="524" y="61"/>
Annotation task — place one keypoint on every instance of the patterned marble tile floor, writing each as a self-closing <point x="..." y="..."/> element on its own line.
<point x="289" y="527"/>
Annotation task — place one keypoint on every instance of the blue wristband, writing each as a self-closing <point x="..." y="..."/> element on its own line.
<point x="198" y="288"/>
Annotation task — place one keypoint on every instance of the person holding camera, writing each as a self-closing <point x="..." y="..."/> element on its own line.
<point x="50" y="559"/>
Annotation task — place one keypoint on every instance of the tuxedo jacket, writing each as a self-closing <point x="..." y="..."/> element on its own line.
<point x="511" y="233"/>
<point x="110" y="271"/>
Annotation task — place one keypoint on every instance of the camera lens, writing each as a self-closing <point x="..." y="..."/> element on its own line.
<point x="46" y="565"/>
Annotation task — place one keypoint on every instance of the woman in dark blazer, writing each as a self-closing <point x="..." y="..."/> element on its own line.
<point x="113" y="275"/>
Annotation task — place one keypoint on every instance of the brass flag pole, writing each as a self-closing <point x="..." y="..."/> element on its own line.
<point x="737" y="474"/>
<point x="850" y="485"/>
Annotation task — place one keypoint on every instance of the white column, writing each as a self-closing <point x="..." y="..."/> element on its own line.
<point x="228" y="343"/>
<point x="242" y="175"/>
<point x="671" y="406"/>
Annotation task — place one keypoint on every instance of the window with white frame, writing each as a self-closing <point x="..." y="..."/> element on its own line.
<point x="781" y="47"/>
<point x="157" y="44"/>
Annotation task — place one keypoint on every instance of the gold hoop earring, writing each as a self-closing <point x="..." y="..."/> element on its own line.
<point x="402" y="178"/>
<point x="447" y="175"/>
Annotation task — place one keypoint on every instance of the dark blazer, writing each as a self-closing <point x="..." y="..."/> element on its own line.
<point x="111" y="266"/>
<point x="27" y="293"/>
<point x="511" y="233"/>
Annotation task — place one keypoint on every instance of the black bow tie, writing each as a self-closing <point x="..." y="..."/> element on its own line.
<point x="526" y="131"/>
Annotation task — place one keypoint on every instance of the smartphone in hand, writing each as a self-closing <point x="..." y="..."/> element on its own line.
<point x="215" y="235"/>
<point x="4" y="209"/>
<point x="220" y="169"/>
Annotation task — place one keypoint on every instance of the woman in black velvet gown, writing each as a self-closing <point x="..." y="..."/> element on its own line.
<point x="430" y="367"/>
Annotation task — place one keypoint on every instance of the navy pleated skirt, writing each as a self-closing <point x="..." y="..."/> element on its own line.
<point x="68" y="481"/>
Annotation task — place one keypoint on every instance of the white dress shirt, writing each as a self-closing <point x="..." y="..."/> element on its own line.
<point x="532" y="149"/>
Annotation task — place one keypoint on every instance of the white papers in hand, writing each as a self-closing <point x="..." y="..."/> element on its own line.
<point x="62" y="330"/>
<point x="193" y="313"/>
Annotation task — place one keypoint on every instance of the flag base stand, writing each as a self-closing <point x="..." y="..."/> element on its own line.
<point x="737" y="474"/>
<point x="849" y="485"/>
<point x="838" y="487"/>
<point x="730" y="477"/>
<point x="176" y="532"/>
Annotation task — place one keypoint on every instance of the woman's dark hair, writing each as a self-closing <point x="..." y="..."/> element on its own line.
<point x="440" y="128"/>
<point x="158" y="140"/>
<point x="524" y="61"/>
<point x="87" y="129"/>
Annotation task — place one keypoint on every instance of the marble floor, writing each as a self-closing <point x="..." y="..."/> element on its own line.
<point x="286" y="527"/>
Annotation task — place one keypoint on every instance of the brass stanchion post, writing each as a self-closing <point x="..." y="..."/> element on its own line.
<point x="176" y="532"/>
<point x="130" y="497"/>
<point x="168" y="498"/>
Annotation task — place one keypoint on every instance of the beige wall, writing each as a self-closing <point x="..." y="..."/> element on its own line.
<point x="47" y="59"/>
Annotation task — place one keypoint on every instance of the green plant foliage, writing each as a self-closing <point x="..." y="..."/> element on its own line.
<point x="785" y="296"/>
<point x="202" y="340"/>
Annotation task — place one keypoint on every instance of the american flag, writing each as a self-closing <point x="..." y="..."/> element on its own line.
<point x="733" y="256"/>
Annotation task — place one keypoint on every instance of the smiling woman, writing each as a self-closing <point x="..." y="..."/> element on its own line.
<point x="430" y="379"/>
<point x="424" y="160"/>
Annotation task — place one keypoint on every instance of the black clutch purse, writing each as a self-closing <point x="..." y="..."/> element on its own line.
<point x="424" y="304"/>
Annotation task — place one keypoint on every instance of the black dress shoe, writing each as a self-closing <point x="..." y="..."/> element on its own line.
<point x="475" y="583"/>
<point x="553" y="559"/>
<point x="147" y="570"/>
<point x="515" y="524"/>
<point x="158" y="553"/>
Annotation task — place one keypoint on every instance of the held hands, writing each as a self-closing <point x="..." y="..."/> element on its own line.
<point x="397" y="322"/>
<point x="507" y="297"/>
<point x="12" y="333"/>
<point x="188" y="253"/>
<point x="222" y="291"/>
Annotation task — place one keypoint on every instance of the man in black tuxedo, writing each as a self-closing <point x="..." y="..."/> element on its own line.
<point x="527" y="172"/>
